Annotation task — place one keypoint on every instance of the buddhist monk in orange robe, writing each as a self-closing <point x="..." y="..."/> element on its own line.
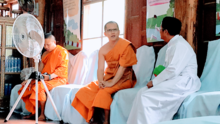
<point x="120" y="56"/>
<point x="55" y="63"/>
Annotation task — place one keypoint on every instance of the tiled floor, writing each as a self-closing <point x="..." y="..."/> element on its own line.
<point x="26" y="122"/>
<point x="17" y="119"/>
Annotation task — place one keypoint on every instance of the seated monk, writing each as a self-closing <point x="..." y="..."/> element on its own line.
<point x="55" y="63"/>
<point x="120" y="56"/>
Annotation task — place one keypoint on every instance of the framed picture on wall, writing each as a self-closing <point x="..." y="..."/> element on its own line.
<point x="72" y="21"/>
<point x="156" y="11"/>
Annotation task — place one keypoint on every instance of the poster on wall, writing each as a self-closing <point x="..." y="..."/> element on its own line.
<point x="217" y="18"/>
<point x="156" y="11"/>
<point x="72" y="14"/>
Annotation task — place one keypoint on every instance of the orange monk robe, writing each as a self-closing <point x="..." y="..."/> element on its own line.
<point x="55" y="62"/>
<point x="90" y="96"/>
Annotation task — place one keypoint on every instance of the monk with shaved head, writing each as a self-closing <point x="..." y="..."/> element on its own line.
<point x="55" y="64"/>
<point x="120" y="56"/>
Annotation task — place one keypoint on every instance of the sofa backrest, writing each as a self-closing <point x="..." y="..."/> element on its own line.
<point x="83" y="70"/>
<point x="210" y="76"/>
<point x="92" y="67"/>
<point x="77" y="68"/>
<point x="145" y="65"/>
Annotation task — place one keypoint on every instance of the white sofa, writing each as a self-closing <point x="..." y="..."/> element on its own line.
<point x="81" y="71"/>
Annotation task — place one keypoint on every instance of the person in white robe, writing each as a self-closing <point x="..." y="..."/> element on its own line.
<point x="163" y="95"/>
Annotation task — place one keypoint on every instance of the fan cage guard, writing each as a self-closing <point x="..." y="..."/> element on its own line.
<point x="26" y="15"/>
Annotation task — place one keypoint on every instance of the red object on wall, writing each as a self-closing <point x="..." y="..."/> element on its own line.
<point x="218" y="17"/>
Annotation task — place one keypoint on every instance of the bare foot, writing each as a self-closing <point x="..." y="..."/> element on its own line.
<point x="93" y="122"/>
<point x="28" y="116"/>
<point x="42" y="118"/>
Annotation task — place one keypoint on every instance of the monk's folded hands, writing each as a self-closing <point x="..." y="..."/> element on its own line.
<point x="101" y="85"/>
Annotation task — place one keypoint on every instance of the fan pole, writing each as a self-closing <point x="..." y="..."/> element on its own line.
<point x="36" y="60"/>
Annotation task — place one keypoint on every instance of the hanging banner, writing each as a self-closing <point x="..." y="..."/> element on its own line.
<point x="72" y="14"/>
<point x="156" y="11"/>
<point x="217" y="18"/>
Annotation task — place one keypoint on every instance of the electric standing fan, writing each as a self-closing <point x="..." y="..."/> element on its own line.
<point x="28" y="37"/>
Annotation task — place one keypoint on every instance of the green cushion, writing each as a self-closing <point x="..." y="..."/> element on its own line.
<point x="158" y="69"/>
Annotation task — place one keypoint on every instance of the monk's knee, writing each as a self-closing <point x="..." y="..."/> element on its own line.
<point x="104" y="91"/>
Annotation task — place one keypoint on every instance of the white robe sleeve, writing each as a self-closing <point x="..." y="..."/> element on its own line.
<point x="177" y="57"/>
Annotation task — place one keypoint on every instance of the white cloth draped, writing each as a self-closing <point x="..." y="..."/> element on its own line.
<point x="69" y="113"/>
<point x="58" y="94"/>
<point x="92" y="67"/>
<point x="78" y="68"/>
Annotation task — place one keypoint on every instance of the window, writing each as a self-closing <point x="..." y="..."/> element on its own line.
<point x="95" y="15"/>
<point x="15" y="7"/>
